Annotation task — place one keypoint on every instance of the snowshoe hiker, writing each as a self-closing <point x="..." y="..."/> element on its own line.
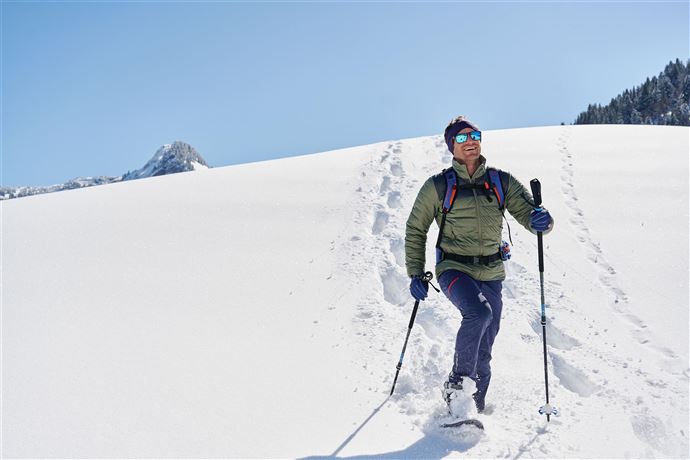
<point x="468" y="202"/>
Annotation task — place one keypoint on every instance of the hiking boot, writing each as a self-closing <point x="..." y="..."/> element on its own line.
<point x="479" y="402"/>
<point x="458" y="397"/>
<point x="450" y="391"/>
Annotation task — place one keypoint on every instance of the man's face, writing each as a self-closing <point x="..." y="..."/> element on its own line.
<point x="468" y="151"/>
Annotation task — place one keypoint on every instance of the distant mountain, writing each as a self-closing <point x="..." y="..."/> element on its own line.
<point x="79" y="182"/>
<point x="662" y="100"/>
<point x="169" y="159"/>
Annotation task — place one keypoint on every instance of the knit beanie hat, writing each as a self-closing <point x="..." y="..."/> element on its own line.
<point x="454" y="127"/>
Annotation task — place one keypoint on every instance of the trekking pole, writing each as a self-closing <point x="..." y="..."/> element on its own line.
<point x="536" y="193"/>
<point x="427" y="277"/>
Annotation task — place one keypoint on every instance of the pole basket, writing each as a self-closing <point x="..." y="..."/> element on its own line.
<point x="548" y="410"/>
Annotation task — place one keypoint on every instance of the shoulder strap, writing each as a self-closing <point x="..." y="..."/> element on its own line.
<point x="446" y="183"/>
<point x="496" y="185"/>
<point x="451" y="189"/>
<point x="495" y="182"/>
<point x="495" y="177"/>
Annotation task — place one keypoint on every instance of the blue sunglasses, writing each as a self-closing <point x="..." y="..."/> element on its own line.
<point x="463" y="137"/>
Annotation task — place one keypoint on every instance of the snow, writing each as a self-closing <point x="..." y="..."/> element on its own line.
<point x="196" y="166"/>
<point x="259" y="310"/>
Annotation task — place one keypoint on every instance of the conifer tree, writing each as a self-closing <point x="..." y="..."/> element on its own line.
<point x="660" y="100"/>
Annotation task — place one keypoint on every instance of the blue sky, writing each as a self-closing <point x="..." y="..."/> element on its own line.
<point x="94" y="88"/>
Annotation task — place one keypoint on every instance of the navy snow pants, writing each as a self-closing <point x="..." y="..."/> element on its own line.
<point x="480" y="305"/>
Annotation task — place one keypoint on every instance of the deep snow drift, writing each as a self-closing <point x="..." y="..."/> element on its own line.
<point x="259" y="310"/>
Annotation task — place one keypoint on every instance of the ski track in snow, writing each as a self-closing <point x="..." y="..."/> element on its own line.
<point x="389" y="185"/>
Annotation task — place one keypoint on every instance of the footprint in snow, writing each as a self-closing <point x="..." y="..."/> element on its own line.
<point x="396" y="169"/>
<point x="651" y="431"/>
<point x="572" y="378"/>
<point x="394" y="200"/>
<point x="395" y="286"/>
<point x="385" y="185"/>
<point x="557" y="338"/>
<point x="380" y="221"/>
<point x="397" y="247"/>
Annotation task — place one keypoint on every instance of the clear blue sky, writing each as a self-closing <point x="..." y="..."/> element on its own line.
<point x="94" y="88"/>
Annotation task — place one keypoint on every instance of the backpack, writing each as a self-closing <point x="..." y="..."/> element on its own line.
<point x="446" y="187"/>
<point x="446" y="184"/>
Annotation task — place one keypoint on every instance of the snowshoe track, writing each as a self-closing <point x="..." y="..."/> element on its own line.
<point x="619" y="300"/>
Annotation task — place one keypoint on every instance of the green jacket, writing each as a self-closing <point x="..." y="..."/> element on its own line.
<point x="473" y="226"/>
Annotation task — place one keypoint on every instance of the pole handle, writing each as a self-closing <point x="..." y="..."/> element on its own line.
<point x="536" y="192"/>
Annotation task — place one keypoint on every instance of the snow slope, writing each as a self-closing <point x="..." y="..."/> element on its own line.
<point x="259" y="310"/>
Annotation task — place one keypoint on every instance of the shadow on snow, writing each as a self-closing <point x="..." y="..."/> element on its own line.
<point x="435" y="444"/>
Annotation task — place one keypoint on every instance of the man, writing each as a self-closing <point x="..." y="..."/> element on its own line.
<point x="469" y="264"/>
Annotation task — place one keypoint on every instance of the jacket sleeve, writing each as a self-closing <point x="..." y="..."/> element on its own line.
<point x="422" y="215"/>
<point x="520" y="204"/>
